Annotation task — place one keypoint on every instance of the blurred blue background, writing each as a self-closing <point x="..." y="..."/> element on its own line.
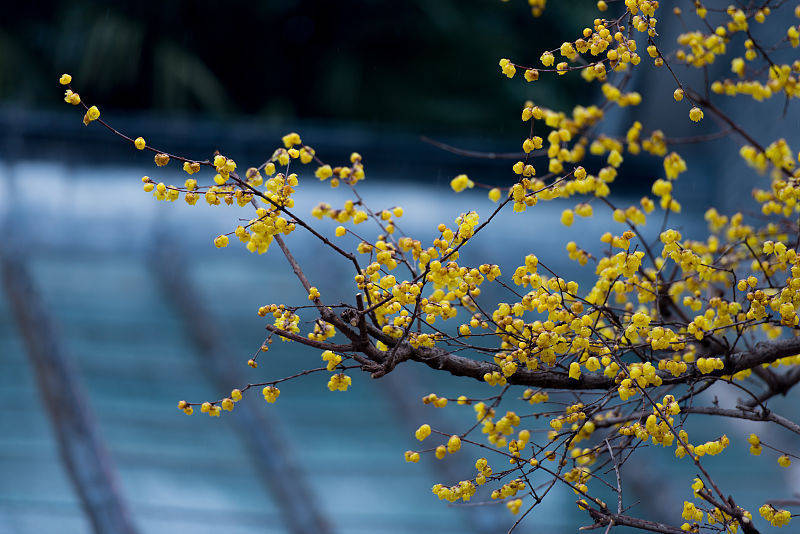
<point x="367" y="76"/>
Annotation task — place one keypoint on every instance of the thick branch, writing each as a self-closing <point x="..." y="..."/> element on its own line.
<point x="780" y="386"/>
<point x="752" y="416"/>
<point x="325" y="312"/>
<point x="764" y="352"/>
<point x="604" y="518"/>
<point x="321" y="345"/>
<point x="441" y="359"/>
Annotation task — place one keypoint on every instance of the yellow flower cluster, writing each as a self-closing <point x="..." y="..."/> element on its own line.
<point x="339" y="382"/>
<point x="271" y="394"/>
<point x="464" y="490"/>
<point x="691" y="512"/>
<point x="432" y="398"/>
<point x="777" y="518"/>
<point x="412" y="457"/>
<point x="461" y="182"/>
<point x="332" y="359"/>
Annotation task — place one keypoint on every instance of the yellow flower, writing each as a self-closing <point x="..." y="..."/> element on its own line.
<point x="92" y="114"/>
<point x="291" y="139"/>
<point x="412" y="456"/>
<point x="461" y="182"/>
<point x="453" y="444"/>
<point x="191" y="167"/>
<point x="323" y="173"/>
<point x="72" y="98"/>
<point x="423" y="432"/>
<point x="271" y="394"/>
<point x="575" y="370"/>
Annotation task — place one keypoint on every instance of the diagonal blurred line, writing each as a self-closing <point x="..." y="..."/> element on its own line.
<point x="82" y="450"/>
<point x="261" y="432"/>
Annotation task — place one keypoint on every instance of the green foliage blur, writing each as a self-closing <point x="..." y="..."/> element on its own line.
<point x="421" y="63"/>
